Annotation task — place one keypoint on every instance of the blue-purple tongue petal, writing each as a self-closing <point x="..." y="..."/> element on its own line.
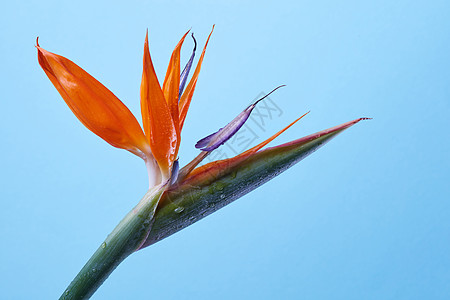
<point x="205" y="141"/>
<point x="216" y="139"/>
<point x="184" y="75"/>
<point x="175" y="171"/>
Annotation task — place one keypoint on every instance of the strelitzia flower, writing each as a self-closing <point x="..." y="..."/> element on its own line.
<point x="176" y="197"/>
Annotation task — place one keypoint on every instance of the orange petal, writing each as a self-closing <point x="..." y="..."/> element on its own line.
<point x="171" y="87"/>
<point x="214" y="168"/>
<point x="156" y="117"/>
<point x="186" y="98"/>
<point x="93" y="104"/>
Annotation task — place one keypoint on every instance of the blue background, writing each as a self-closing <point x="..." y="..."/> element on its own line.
<point x="365" y="217"/>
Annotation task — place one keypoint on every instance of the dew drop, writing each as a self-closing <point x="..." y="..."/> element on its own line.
<point x="179" y="209"/>
<point x="103" y="245"/>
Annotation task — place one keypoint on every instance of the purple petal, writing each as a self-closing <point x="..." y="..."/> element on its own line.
<point x="205" y="141"/>
<point x="222" y="135"/>
<point x="184" y="75"/>
<point x="175" y="171"/>
<point x="213" y="141"/>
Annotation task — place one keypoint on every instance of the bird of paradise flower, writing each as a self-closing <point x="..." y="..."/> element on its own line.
<point x="176" y="198"/>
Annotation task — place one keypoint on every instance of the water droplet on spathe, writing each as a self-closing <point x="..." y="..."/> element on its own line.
<point x="103" y="245"/>
<point x="179" y="209"/>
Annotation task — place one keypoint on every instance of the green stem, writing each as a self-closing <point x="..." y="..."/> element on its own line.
<point x="126" y="238"/>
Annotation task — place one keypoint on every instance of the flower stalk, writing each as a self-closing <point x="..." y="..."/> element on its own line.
<point x="128" y="236"/>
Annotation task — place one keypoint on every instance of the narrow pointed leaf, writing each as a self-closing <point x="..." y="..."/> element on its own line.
<point x="200" y="196"/>
<point x="93" y="104"/>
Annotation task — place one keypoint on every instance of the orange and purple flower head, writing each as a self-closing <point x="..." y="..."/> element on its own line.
<point x="187" y="194"/>
<point x="163" y="108"/>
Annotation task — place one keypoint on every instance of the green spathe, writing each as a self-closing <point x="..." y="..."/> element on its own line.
<point x="195" y="199"/>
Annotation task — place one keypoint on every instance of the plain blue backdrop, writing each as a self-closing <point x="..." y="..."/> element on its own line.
<point x="365" y="217"/>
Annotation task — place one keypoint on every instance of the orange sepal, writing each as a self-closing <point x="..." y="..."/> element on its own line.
<point x="93" y="104"/>
<point x="185" y="99"/>
<point x="156" y="117"/>
<point x="171" y="87"/>
<point x="215" y="168"/>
